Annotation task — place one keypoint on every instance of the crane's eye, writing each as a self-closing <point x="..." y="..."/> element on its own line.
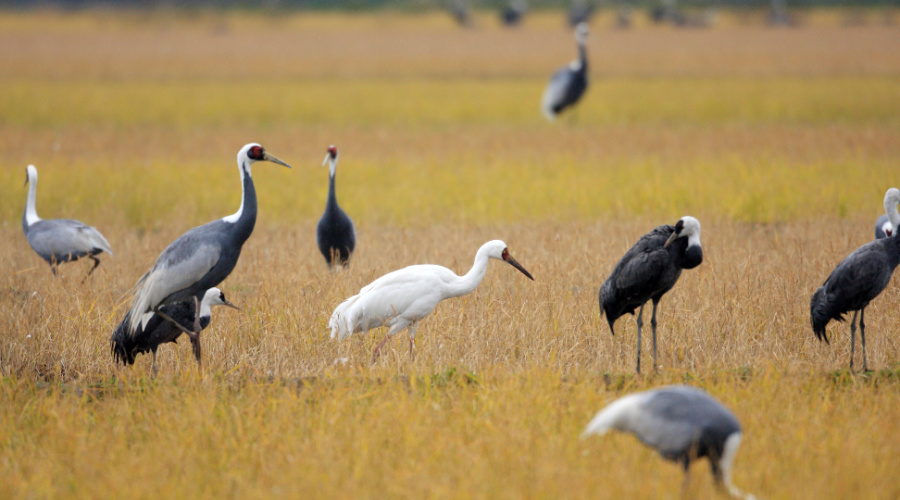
<point x="256" y="153"/>
<point x="505" y="254"/>
<point x="222" y="296"/>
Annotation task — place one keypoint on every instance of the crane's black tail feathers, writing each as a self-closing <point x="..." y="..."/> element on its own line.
<point x="820" y="314"/>
<point x="122" y="344"/>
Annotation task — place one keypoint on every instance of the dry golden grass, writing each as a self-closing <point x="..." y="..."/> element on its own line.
<point x="781" y="142"/>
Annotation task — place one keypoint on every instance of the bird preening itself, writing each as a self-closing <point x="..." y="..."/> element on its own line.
<point x="568" y="84"/>
<point x="166" y="326"/>
<point x="202" y="257"/>
<point x="883" y="227"/>
<point x="59" y="240"/>
<point x="335" y="234"/>
<point x="856" y="281"/>
<point x="401" y="298"/>
<point x="648" y="270"/>
<point x="682" y="423"/>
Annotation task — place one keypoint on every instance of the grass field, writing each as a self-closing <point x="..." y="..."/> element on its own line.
<point x="782" y="142"/>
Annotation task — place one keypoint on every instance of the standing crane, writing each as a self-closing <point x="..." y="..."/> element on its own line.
<point x="166" y="326"/>
<point x="202" y="257"/>
<point x="401" y="298"/>
<point x="648" y="270"/>
<point x="59" y="240"/>
<point x="856" y="281"/>
<point x="335" y="234"/>
<point x="681" y="423"/>
<point x="568" y="84"/>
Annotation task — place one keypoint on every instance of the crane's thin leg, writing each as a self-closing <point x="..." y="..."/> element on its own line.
<point x="154" y="370"/>
<point x="378" y="347"/>
<point x="653" y="327"/>
<point x="53" y="269"/>
<point x="862" y="336"/>
<point x="687" y="477"/>
<point x="96" y="263"/>
<point x="640" y="325"/>
<point x="412" y="339"/>
<point x="852" y="337"/>
<point x="193" y="335"/>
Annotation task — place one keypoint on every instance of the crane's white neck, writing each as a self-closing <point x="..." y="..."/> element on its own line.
<point x="31" y="215"/>
<point x="890" y="208"/>
<point x="332" y="166"/>
<point x="205" y="309"/>
<point x="244" y="169"/>
<point x="470" y="281"/>
<point x="694" y="240"/>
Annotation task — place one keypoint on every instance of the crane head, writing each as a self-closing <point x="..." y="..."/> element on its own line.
<point x="215" y="297"/>
<point x="581" y="32"/>
<point x="513" y="262"/>
<point x="253" y="152"/>
<point x="331" y="156"/>
<point x="30" y="173"/>
<point x="686" y="226"/>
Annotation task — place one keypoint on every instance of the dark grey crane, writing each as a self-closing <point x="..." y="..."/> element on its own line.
<point x="335" y="234"/>
<point x="568" y="84"/>
<point x="513" y="14"/>
<point x="59" y="240"/>
<point x="682" y="423"/>
<point x="179" y="318"/>
<point x="883" y="227"/>
<point x="856" y="281"/>
<point x="204" y="256"/>
<point x="648" y="270"/>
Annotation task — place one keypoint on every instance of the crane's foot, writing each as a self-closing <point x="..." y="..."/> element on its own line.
<point x="378" y="347"/>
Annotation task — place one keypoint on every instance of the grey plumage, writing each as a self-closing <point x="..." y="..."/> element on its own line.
<point x="569" y="83"/>
<point x="59" y="240"/>
<point x="883" y="227"/>
<point x="856" y="281"/>
<point x="204" y="256"/>
<point x="335" y="234"/>
<point x="681" y="423"/>
<point x="648" y="270"/>
<point x="157" y="330"/>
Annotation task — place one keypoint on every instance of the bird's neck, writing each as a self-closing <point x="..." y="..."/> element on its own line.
<point x="582" y="55"/>
<point x="245" y="218"/>
<point x="332" y="198"/>
<point x="205" y="310"/>
<point x="470" y="281"/>
<point x="30" y="216"/>
<point x="891" y="212"/>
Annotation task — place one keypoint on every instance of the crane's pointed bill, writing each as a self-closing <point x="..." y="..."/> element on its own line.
<point x="672" y="237"/>
<point x="230" y="304"/>
<point x="325" y="161"/>
<point x="513" y="262"/>
<point x="273" y="159"/>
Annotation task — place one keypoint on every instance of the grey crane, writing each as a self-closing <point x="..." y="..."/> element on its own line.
<point x="335" y="234"/>
<point x="856" y="281"/>
<point x="59" y="240"/>
<point x="204" y="256"/>
<point x="883" y="227"/>
<point x="648" y="270"/>
<point x="167" y="326"/>
<point x="568" y="84"/>
<point x="682" y="423"/>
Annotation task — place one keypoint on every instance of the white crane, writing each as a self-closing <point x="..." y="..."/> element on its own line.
<point x="401" y="298"/>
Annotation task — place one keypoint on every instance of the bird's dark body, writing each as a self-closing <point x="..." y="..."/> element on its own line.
<point x="704" y="425"/>
<point x="33" y="233"/>
<point x="574" y="81"/>
<point x="646" y="272"/>
<point x="855" y="282"/>
<point x="335" y="234"/>
<point x="158" y="331"/>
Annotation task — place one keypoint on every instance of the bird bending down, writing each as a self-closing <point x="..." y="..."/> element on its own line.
<point x="204" y="256"/>
<point x="681" y="423"/>
<point x="568" y="84"/>
<point x="182" y="316"/>
<point x="648" y="270"/>
<point x="856" y="281"/>
<point x="883" y="227"/>
<point x="401" y="298"/>
<point x="335" y="234"/>
<point x="59" y="240"/>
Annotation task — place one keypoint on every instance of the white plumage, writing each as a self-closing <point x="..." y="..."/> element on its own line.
<point x="401" y="298"/>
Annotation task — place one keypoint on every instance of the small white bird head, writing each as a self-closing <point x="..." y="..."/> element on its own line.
<point x="252" y="153"/>
<point x="215" y="297"/>
<point x="30" y="175"/>
<point x="686" y="227"/>
<point x="331" y="159"/>
<point x="497" y="249"/>
<point x="891" y="200"/>
<point x="581" y="32"/>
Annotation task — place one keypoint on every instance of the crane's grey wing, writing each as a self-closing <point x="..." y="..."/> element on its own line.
<point x="555" y="92"/>
<point x="184" y="262"/>
<point x="860" y="277"/>
<point x="65" y="236"/>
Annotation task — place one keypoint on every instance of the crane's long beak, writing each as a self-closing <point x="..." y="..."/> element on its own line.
<point x="513" y="262"/>
<point x="672" y="238"/>
<point x="325" y="161"/>
<point x="229" y="304"/>
<point x="273" y="159"/>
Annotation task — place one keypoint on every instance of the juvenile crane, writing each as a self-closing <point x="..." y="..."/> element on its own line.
<point x="883" y="227"/>
<point x="681" y="423"/>
<point x="204" y="256"/>
<point x="336" y="234"/>
<point x="648" y="270"/>
<point x="856" y="281"/>
<point x="568" y="84"/>
<point x="160" y="330"/>
<point x="401" y="298"/>
<point x="59" y="240"/>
